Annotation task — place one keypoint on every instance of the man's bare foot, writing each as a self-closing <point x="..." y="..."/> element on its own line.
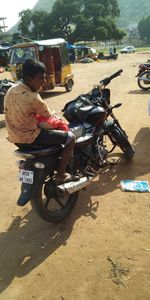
<point x="66" y="177"/>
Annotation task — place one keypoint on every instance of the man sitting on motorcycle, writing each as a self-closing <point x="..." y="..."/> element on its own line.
<point x="22" y="103"/>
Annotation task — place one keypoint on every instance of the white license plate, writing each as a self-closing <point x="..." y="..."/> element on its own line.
<point x="26" y="176"/>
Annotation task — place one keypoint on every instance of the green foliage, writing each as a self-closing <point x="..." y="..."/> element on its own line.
<point x="32" y="24"/>
<point x="101" y="8"/>
<point x="144" y="29"/>
<point x="25" y="16"/>
<point x="62" y="17"/>
<point x="131" y="11"/>
<point x="16" y="38"/>
<point x="38" y="20"/>
<point x="85" y="19"/>
<point x="75" y="20"/>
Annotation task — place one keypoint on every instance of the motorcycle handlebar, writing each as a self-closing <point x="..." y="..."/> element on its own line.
<point x="116" y="74"/>
<point x="107" y="80"/>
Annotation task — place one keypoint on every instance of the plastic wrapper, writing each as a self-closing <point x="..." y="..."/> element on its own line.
<point x="134" y="186"/>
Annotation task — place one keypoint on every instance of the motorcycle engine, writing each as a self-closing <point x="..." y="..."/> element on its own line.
<point x="100" y="153"/>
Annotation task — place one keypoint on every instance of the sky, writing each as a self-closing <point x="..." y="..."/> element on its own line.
<point x="10" y="9"/>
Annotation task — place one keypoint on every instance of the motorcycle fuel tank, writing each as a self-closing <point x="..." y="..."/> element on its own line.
<point x="97" y="114"/>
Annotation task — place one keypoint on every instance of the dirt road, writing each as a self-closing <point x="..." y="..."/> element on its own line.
<point x="103" y="250"/>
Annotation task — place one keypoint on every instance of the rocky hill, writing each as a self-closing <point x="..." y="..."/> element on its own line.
<point x="44" y="5"/>
<point x="132" y="11"/>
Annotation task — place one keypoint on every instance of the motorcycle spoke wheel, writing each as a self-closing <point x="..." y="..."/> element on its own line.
<point x="53" y="202"/>
<point x="51" y="206"/>
<point x="144" y="80"/>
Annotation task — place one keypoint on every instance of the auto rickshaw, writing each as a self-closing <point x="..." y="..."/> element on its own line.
<point x="53" y="53"/>
<point x="4" y="56"/>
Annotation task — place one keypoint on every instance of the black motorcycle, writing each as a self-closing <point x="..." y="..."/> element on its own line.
<point x="88" y="119"/>
<point x="144" y="76"/>
<point x="5" y="84"/>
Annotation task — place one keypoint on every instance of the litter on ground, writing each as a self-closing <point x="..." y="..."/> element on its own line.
<point x="134" y="186"/>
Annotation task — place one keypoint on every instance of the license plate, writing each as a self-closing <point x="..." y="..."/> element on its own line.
<point x="26" y="176"/>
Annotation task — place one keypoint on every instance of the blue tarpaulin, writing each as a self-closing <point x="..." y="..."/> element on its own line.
<point x="79" y="47"/>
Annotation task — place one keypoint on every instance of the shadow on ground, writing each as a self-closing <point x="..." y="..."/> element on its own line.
<point x="29" y="241"/>
<point x="139" y="92"/>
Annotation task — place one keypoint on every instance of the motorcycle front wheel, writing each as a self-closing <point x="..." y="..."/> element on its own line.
<point x="144" y="80"/>
<point x="51" y="205"/>
<point x="118" y="138"/>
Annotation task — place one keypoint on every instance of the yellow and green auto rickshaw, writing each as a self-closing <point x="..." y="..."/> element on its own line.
<point x="53" y="53"/>
<point x="4" y="56"/>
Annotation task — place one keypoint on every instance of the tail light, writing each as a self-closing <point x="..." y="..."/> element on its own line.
<point x="20" y="164"/>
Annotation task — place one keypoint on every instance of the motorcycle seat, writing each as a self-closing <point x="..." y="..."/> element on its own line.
<point x="144" y="67"/>
<point x="37" y="150"/>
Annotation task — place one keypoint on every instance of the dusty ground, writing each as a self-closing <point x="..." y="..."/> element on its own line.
<point x="103" y="250"/>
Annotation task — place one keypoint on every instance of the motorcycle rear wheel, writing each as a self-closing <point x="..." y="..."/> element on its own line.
<point x="117" y="137"/>
<point x="144" y="80"/>
<point x="51" y="206"/>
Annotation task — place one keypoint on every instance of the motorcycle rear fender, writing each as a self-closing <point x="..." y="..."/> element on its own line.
<point x="28" y="190"/>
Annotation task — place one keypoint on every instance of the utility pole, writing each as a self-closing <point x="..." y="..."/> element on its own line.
<point x="3" y="27"/>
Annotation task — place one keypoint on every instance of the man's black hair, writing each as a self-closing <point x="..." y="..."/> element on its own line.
<point x="31" y="68"/>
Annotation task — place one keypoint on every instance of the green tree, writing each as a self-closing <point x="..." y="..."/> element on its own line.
<point x="62" y="17"/>
<point x="101" y="8"/>
<point x="76" y="20"/>
<point x="24" y="25"/>
<point x="144" y="29"/>
<point x="85" y="20"/>
<point x="38" y="24"/>
<point x="16" y="38"/>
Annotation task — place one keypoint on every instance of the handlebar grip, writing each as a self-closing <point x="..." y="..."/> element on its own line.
<point x="115" y="74"/>
<point x="107" y="80"/>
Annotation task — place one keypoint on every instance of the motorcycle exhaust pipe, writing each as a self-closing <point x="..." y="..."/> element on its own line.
<point x="74" y="186"/>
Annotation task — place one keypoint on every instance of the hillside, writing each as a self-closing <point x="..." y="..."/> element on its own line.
<point x="44" y="5"/>
<point x="130" y="11"/>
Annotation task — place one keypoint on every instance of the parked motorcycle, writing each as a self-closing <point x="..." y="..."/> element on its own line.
<point x="144" y="76"/>
<point x="5" y="84"/>
<point x="88" y="117"/>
